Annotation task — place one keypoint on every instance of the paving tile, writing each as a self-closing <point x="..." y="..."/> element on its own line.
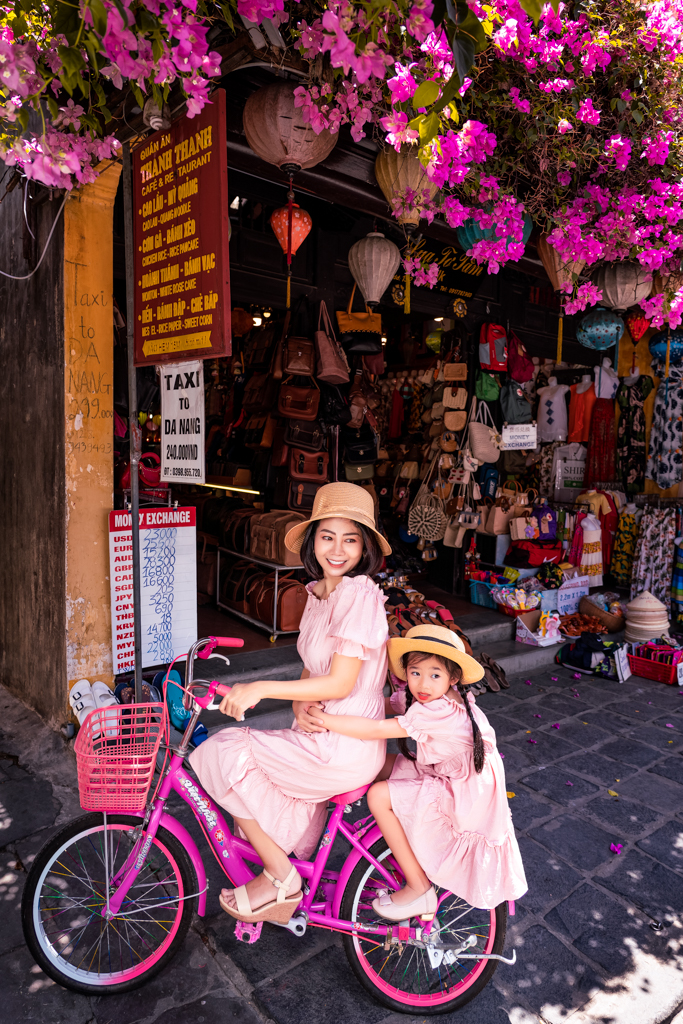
<point x="12" y="879"/>
<point x="214" y="1008"/>
<point x="275" y="951"/>
<point x="606" y="720"/>
<point x="489" y="1007"/>
<point x="668" y="697"/>
<point x="526" y="809"/>
<point x="27" y="807"/>
<point x="549" y="879"/>
<point x="28" y="995"/>
<point x="548" y="746"/>
<point x="514" y="759"/>
<point x="625" y="817"/>
<point x="604" y="930"/>
<point x="552" y="782"/>
<point x="576" y="840"/>
<point x="634" y="709"/>
<point x="575" y="730"/>
<point x="594" y="695"/>
<point x="504" y="727"/>
<point x="604" y="769"/>
<point x="654" y="791"/>
<point x="561" y="704"/>
<point x="646" y="884"/>
<point x="666" y="740"/>
<point x="324" y="990"/>
<point x="672" y="769"/>
<point x="631" y="751"/>
<point x="549" y="976"/>
<point x="498" y="701"/>
<point x="666" y="845"/>
<point x="670" y="720"/>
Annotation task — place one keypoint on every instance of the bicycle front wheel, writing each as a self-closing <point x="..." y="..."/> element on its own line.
<point x="403" y="976"/>
<point x="64" y="905"/>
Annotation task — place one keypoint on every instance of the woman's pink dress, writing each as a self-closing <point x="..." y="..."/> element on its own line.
<point x="458" y="823"/>
<point x="283" y="778"/>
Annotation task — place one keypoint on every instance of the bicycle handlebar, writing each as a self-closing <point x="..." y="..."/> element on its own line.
<point x="219" y="641"/>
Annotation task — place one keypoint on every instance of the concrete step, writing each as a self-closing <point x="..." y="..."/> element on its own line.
<point x="514" y="657"/>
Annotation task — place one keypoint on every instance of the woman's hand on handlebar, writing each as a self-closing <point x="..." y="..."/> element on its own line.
<point x="303" y="719"/>
<point x="241" y="697"/>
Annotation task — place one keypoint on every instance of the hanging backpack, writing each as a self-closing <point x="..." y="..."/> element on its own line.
<point x="513" y="402"/>
<point x="493" y="349"/>
<point x="486" y="387"/>
<point x="488" y="480"/>
<point x="520" y="366"/>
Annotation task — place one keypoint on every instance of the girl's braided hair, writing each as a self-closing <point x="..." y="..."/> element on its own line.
<point x="455" y="673"/>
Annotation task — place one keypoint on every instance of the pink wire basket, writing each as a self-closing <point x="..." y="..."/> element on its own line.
<point x="116" y="751"/>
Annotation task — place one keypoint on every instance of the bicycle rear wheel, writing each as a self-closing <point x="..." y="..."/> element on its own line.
<point x="65" y="898"/>
<point x="403" y="977"/>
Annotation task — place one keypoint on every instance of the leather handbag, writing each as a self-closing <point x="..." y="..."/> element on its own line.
<point x="499" y="517"/>
<point x="454" y="420"/>
<point x="334" y="406"/>
<point x="267" y="533"/>
<point x="259" y="349"/>
<point x="332" y="365"/>
<point x="361" y="333"/>
<point x="360" y="446"/>
<point x="305" y="465"/>
<point x="260" y="393"/>
<point x="235" y="532"/>
<point x="301" y="495"/>
<point x="298" y="403"/>
<point x="259" y="432"/>
<point x="280" y="453"/>
<point x="299" y="357"/>
<point x="291" y="601"/>
<point x="304" y="434"/>
<point x="355" y="473"/>
<point x="448" y="442"/>
<point x="150" y="475"/>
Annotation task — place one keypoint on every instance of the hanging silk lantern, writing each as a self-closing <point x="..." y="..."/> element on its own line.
<point x="623" y="285"/>
<point x="672" y="283"/>
<point x="658" y="345"/>
<point x="600" y="330"/>
<point x="291" y="226"/>
<point x="241" y="321"/>
<point x="561" y="271"/>
<point x="638" y="325"/>
<point x="470" y="232"/>
<point x="276" y="131"/>
<point x="373" y="261"/>
<point x="402" y="176"/>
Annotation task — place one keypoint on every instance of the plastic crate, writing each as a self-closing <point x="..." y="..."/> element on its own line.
<point x="480" y="593"/>
<point x="653" y="670"/>
<point x="116" y="750"/>
<point x="514" y="613"/>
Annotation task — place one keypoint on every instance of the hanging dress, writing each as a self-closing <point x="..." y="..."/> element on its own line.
<point x="665" y="464"/>
<point x="654" y="557"/>
<point x="624" y="549"/>
<point x="591" y="555"/>
<point x="631" y="437"/>
<point x="580" y="413"/>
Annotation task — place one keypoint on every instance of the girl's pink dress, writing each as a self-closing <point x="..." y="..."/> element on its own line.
<point x="458" y="823"/>
<point x="283" y="778"/>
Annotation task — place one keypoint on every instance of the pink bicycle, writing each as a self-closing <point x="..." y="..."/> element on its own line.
<point x="109" y="898"/>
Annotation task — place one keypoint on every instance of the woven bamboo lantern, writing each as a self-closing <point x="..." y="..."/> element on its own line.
<point x="397" y="173"/>
<point x="276" y="132"/>
<point x="373" y="261"/>
<point x="623" y="285"/>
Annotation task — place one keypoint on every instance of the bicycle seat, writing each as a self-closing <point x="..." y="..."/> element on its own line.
<point x="351" y="796"/>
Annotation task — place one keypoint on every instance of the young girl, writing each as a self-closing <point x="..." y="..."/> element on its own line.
<point x="445" y="813"/>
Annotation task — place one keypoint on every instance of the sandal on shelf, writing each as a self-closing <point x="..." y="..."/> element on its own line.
<point x="394" y="626"/>
<point x="491" y="681"/>
<point x="280" y="909"/>
<point x="496" y="670"/>
<point x="441" y="610"/>
<point x="81" y="700"/>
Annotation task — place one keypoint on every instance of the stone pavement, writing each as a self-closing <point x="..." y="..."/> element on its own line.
<point x="588" y="938"/>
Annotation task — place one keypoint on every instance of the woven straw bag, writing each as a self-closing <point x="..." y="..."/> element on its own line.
<point x="485" y="441"/>
<point x="427" y="517"/>
<point x="455" y="398"/>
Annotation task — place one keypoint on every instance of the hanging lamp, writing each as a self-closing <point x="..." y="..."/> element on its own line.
<point x="561" y="271"/>
<point x="276" y="131"/>
<point x="373" y="261"/>
<point x="401" y="173"/>
<point x="292" y="226"/>
<point x="470" y="232"/>
<point x="600" y="330"/>
<point x="623" y="285"/>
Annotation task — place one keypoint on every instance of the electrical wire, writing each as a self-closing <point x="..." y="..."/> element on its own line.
<point x="25" y="277"/>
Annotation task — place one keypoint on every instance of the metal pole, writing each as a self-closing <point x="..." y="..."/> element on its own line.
<point x="134" y="426"/>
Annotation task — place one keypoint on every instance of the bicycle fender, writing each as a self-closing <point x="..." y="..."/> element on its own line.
<point x="184" y="837"/>
<point x="367" y="840"/>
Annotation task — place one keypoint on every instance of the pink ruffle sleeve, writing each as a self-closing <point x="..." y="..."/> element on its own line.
<point x="415" y="721"/>
<point x="359" y="622"/>
<point x="397" y="702"/>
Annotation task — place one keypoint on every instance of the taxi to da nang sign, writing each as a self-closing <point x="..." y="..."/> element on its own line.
<point x="182" y="290"/>
<point x="182" y="422"/>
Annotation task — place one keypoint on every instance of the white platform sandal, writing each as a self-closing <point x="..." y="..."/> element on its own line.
<point x="424" y="906"/>
<point x="280" y="909"/>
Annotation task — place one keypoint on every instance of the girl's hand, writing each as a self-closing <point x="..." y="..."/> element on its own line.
<point x="241" y="697"/>
<point x="304" y="720"/>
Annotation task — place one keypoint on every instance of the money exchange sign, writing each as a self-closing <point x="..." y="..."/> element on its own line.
<point x="182" y="289"/>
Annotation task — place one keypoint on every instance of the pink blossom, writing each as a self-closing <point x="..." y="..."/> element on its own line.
<point x="564" y="126"/>
<point x="587" y="294"/>
<point x="522" y="105"/>
<point x="402" y="85"/>
<point x="587" y="112"/>
<point x="398" y="132"/>
<point x="657" y="148"/>
<point x="419" y="22"/>
<point x="455" y="212"/>
<point x="70" y="114"/>
<point x="620" y="149"/>
<point x="556" y="85"/>
<point x="564" y="178"/>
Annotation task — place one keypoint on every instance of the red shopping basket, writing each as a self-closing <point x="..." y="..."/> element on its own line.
<point x="116" y="750"/>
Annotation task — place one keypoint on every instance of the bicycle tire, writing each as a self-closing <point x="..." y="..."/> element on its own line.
<point x="41" y="883"/>
<point x="413" y="1003"/>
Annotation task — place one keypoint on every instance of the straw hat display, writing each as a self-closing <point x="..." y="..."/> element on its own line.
<point x="646" y="618"/>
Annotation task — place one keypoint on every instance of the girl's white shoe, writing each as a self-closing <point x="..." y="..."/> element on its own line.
<point x="424" y="906"/>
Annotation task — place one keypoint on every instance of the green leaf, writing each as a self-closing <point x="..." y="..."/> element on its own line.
<point x="53" y="107"/>
<point x="146" y="22"/>
<point x="22" y="118"/>
<point x="463" y="54"/>
<point x="227" y="14"/>
<point x="429" y="127"/>
<point x="637" y="116"/>
<point x="534" y="8"/>
<point x="448" y="92"/>
<point x="91" y="43"/>
<point x="416" y="122"/>
<point x="71" y="59"/>
<point x="66" y="21"/>
<point x="99" y="16"/>
<point x="468" y="24"/>
<point x="425" y="95"/>
<point x="137" y="92"/>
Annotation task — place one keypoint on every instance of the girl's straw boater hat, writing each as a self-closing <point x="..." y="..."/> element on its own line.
<point x="343" y="501"/>
<point x="433" y="640"/>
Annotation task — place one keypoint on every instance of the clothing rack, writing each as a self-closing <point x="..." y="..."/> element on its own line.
<point x="655" y="501"/>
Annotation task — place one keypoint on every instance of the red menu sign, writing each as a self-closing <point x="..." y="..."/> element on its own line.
<point x="182" y="287"/>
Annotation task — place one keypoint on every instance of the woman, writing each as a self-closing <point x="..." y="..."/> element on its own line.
<point x="276" y="784"/>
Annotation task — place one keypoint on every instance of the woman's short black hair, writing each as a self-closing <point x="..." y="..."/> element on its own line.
<point x="370" y="563"/>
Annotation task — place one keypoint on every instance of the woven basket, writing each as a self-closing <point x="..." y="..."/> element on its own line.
<point x="427" y="517"/>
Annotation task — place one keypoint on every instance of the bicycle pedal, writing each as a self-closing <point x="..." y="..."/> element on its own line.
<point x="246" y="931"/>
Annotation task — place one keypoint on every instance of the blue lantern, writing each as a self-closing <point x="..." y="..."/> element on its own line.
<point x="600" y="330"/>
<point x="658" y="346"/>
<point x="470" y="232"/>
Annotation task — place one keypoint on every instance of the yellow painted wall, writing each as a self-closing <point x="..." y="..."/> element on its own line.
<point x="89" y="410"/>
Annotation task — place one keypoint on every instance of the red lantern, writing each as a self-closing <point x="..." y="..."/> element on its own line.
<point x="637" y="326"/>
<point x="291" y="226"/>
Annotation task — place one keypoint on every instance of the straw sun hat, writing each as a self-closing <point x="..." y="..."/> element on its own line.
<point x="343" y="501"/>
<point x="433" y="640"/>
